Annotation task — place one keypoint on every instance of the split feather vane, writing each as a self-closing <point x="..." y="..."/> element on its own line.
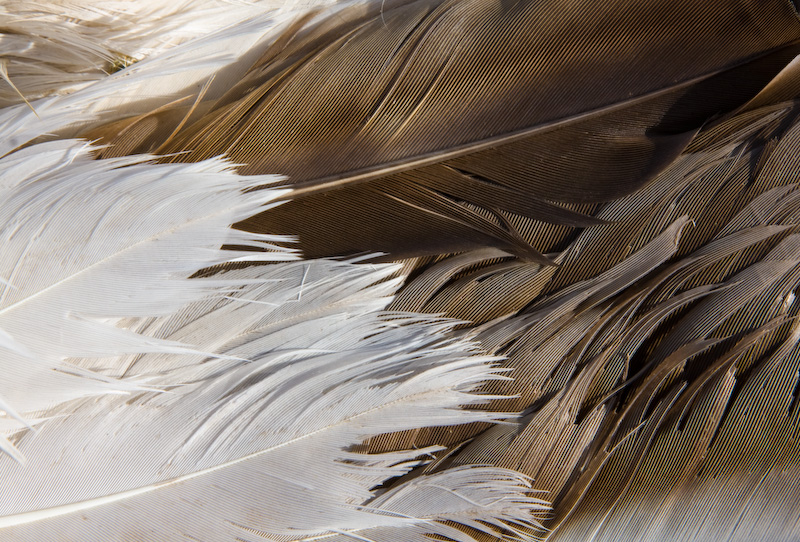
<point x="87" y="243"/>
<point x="268" y="443"/>
<point x="668" y="409"/>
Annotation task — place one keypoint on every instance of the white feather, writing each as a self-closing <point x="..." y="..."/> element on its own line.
<point x="86" y="243"/>
<point x="262" y="449"/>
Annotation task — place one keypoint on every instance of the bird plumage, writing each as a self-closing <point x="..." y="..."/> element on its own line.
<point x="471" y="119"/>
<point x="593" y="209"/>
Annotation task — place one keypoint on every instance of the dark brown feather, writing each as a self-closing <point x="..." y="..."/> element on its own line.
<point x="506" y="106"/>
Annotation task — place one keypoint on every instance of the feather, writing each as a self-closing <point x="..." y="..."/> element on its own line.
<point x="58" y="47"/>
<point x="88" y="243"/>
<point x="235" y="366"/>
<point x="266" y="442"/>
<point x="449" y="134"/>
<point x="654" y="367"/>
<point x="628" y="397"/>
<point x="197" y="66"/>
<point x="736" y="486"/>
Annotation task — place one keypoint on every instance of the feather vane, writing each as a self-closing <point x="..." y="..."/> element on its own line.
<point x="86" y="244"/>
<point x="268" y="441"/>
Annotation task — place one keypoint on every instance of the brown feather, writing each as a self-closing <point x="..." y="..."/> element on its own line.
<point x="663" y="406"/>
<point x="507" y="106"/>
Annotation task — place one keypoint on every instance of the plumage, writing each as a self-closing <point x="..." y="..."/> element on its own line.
<point x="261" y="433"/>
<point x="58" y="46"/>
<point x="592" y="209"/>
<point x="457" y="117"/>
<point x="197" y="359"/>
<point x="88" y="243"/>
<point x="643" y="421"/>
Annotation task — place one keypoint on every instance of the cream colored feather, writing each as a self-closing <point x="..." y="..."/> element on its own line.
<point x="54" y="47"/>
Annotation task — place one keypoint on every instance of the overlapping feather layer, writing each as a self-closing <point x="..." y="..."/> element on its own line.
<point x="257" y="443"/>
<point x="656" y="366"/>
<point x="227" y="407"/>
<point x="88" y="243"/>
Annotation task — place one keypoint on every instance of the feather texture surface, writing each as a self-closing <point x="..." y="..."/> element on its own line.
<point x="644" y="368"/>
<point x="59" y="46"/>
<point x="266" y="441"/>
<point x="661" y="408"/>
<point x="88" y="243"/>
<point x="477" y="116"/>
